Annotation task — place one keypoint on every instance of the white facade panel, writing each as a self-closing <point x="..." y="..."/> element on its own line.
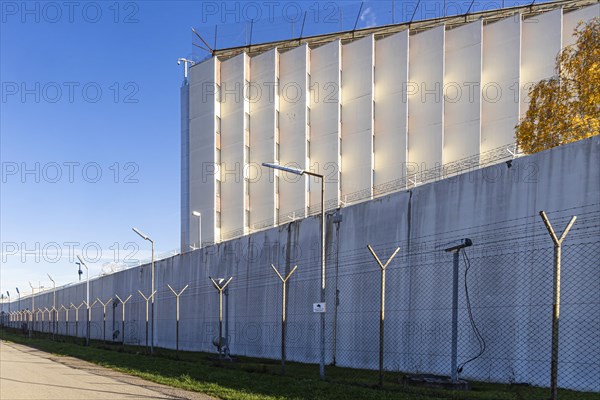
<point x="571" y="19"/>
<point x="233" y="109"/>
<point x="262" y="101"/>
<point x="462" y="95"/>
<point x="293" y="71"/>
<point x="425" y="103"/>
<point x="500" y="82"/>
<point x="391" y="109"/>
<point x="357" y="117"/>
<point x="365" y="114"/>
<point x="324" y="128"/>
<point x="541" y="42"/>
<point x="203" y="168"/>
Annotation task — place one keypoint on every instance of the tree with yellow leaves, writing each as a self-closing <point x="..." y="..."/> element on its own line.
<point x="566" y="107"/>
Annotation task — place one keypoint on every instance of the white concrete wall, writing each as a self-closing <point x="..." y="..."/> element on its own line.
<point x="510" y="281"/>
<point x="325" y="66"/>
<point x="391" y="109"/>
<point x="293" y="67"/>
<point x="462" y="93"/>
<point x="425" y="103"/>
<point x="358" y="59"/>
<point x="262" y="137"/>
<point x="233" y="108"/>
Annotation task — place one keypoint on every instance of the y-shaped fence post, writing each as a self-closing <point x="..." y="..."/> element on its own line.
<point x="104" y="317"/>
<point x="62" y="307"/>
<point x="556" y="300"/>
<point x="283" y="316"/>
<point x="123" y="320"/>
<point x="382" y="307"/>
<point x="220" y="289"/>
<point x="77" y="317"/>
<point x="147" y="300"/>
<point x="177" y="316"/>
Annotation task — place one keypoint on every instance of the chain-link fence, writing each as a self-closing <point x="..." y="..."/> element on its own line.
<point x="504" y="287"/>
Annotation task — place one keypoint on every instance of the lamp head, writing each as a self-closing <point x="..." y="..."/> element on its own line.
<point x="296" y="171"/>
<point x="144" y="236"/>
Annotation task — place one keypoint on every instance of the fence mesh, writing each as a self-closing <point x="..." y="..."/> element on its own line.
<point x="505" y="303"/>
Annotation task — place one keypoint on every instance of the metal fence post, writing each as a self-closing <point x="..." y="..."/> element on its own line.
<point x="283" y="312"/>
<point x="123" y="316"/>
<point x="62" y="307"/>
<point x="147" y="300"/>
<point x="220" y="289"/>
<point x="556" y="300"/>
<point x="382" y="307"/>
<point x="177" y="316"/>
<point x="89" y="319"/>
<point x="104" y="317"/>
<point x="77" y="317"/>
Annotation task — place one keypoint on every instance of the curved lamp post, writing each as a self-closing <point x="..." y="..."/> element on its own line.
<point x="298" y="171"/>
<point x="145" y="237"/>
<point x="87" y="303"/>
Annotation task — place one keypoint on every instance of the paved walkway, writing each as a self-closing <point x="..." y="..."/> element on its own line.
<point x="30" y="374"/>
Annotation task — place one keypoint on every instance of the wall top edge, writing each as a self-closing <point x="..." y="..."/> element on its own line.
<point x="415" y="27"/>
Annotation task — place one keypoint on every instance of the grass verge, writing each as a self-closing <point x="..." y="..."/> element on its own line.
<point x="250" y="379"/>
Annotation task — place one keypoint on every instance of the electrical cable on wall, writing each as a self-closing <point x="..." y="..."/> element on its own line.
<point x="480" y="339"/>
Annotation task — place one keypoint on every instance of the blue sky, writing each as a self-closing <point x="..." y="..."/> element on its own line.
<point x="89" y="118"/>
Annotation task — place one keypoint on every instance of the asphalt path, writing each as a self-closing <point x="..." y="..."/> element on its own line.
<point x="30" y="374"/>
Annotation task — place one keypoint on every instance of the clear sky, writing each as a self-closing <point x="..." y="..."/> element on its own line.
<point x="89" y="117"/>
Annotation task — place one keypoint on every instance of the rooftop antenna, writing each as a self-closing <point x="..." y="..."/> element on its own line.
<point x="471" y="5"/>
<point x="209" y="49"/>
<point x="251" y="29"/>
<point x="215" y="44"/>
<point x="357" y="18"/>
<point x="414" y="12"/>
<point x="302" y="29"/>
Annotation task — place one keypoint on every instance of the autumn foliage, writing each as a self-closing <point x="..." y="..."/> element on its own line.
<point x="566" y="107"/>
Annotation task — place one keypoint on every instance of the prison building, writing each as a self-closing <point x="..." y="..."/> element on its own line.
<point x="373" y="111"/>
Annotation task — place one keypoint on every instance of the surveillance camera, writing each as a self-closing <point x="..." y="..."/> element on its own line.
<point x="462" y="243"/>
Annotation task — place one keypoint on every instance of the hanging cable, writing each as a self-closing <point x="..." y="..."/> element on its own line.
<point x="480" y="339"/>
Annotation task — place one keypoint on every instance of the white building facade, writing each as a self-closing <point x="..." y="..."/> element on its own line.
<point x="373" y="111"/>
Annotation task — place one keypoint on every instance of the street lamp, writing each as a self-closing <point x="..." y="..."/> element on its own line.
<point x="145" y="237"/>
<point x="8" y="294"/>
<point x="54" y="311"/>
<point x="79" y="271"/>
<point x="32" y="309"/>
<point x="19" y="294"/>
<point x="2" y="299"/>
<point x="87" y="303"/>
<point x="298" y="171"/>
<point x="199" y="215"/>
